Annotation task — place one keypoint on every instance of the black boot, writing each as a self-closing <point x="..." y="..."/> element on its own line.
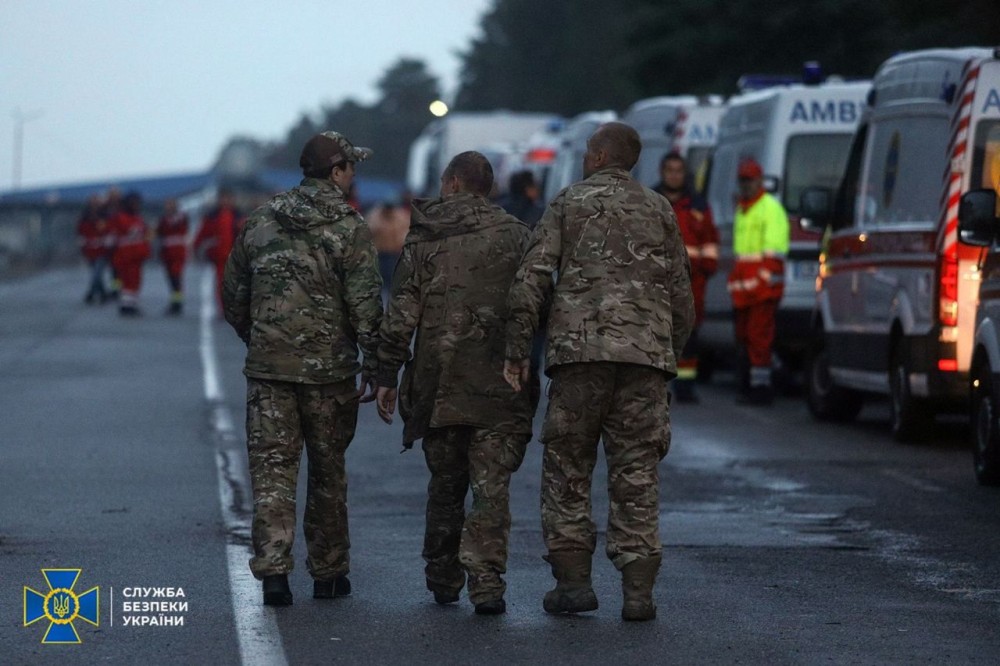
<point x="492" y="607"/>
<point x="444" y="595"/>
<point x="276" y="591"/>
<point x="573" y="592"/>
<point x="330" y="589"/>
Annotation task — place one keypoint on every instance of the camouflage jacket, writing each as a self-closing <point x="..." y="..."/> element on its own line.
<point x="302" y="288"/>
<point x="623" y="291"/>
<point x="451" y="286"/>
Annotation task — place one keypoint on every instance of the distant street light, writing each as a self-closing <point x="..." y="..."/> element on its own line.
<point x="439" y="108"/>
<point x="19" y="120"/>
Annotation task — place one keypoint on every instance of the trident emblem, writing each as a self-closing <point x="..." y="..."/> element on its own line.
<point x="60" y="604"/>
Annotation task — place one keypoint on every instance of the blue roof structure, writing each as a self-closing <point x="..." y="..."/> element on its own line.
<point x="157" y="189"/>
<point x="152" y="189"/>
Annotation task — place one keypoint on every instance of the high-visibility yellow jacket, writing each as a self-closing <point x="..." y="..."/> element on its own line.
<point x="760" y="245"/>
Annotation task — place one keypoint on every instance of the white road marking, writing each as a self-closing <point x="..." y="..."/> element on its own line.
<point x="256" y="629"/>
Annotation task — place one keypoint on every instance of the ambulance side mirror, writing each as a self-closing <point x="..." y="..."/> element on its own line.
<point x="977" y="218"/>
<point x="815" y="206"/>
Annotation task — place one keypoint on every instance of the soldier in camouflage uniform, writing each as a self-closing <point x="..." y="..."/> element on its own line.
<point x="451" y="286"/>
<point x="302" y="289"/>
<point x="621" y="312"/>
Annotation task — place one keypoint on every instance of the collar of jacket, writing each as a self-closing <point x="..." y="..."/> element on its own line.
<point x="747" y="204"/>
<point x="313" y="203"/>
<point x="611" y="173"/>
<point x="454" y="215"/>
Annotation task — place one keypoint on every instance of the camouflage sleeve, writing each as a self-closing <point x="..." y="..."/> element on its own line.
<point x="533" y="282"/>
<point x="679" y="280"/>
<point x="401" y="319"/>
<point x="363" y="295"/>
<point x="236" y="290"/>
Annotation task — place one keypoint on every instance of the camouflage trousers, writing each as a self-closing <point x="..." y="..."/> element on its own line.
<point x="280" y="415"/>
<point x="455" y="543"/>
<point x="626" y="405"/>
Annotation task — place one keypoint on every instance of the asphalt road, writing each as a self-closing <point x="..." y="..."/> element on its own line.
<point x="786" y="541"/>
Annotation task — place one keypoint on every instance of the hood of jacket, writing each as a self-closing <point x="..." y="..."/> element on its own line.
<point x="454" y="215"/>
<point x="313" y="203"/>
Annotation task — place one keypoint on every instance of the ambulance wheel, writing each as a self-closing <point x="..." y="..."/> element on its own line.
<point x="910" y="417"/>
<point x="826" y="400"/>
<point x="985" y="428"/>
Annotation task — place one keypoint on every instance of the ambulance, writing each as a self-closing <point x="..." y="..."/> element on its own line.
<point x="457" y="132"/>
<point x="979" y="226"/>
<point x="801" y="135"/>
<point x="695" y="136"/>
<point x="682" y="123"/>
<point x="897" y="293"/>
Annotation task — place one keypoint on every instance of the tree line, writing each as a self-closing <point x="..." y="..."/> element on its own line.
<point x="571" y="56"/>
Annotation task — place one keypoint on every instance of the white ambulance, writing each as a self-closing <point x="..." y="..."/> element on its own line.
<point x="457" y="132"/>
<point x="800" y="134"/>
<point x="683" y="123"/>
<point x="979" y="226"/>
<point x="897" y="293"/>
<point x="695" y="136"/>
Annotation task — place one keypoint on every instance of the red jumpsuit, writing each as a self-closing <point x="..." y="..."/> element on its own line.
<point x="172" y="232"/>
<point x="701" y="239"/>
<point x="131" y="249"/>
<point x="218" y="231"/>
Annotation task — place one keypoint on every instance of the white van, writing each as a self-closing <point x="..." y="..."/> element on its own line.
<point x="897" y="294"/>
<point x="459" y="131"/>
<point x="800" y="134"/>
<point x="661" y="122"/>
<point x="567" y="168"/>
<point x="695" y="136"/>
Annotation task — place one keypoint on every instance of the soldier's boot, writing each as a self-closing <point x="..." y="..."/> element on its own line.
<point x="492" y="607"/>
<point x="276" y="591"/>
<point x="330" y="589"/>
<point x="573" y="592"/>
<point x="638" y="578"/>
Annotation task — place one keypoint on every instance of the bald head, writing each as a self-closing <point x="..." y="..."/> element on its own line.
<point x="612" y="145"/>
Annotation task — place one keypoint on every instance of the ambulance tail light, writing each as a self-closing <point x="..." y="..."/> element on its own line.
<point x="948" y="365"/>
<point x="542" y="155"/>
<point x="948" y="300"/>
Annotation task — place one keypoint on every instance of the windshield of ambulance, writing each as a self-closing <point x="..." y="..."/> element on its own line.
<point x="986" y="157"/>
<point x="813" y="160"/>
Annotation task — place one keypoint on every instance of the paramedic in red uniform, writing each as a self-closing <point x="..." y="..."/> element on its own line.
<point x="92" y="230"/>
<point x="131" y="249"/>
<point x="172" y="232"/>
<point x="701" y="239"/>
<point x="218" y="231"/>
<point x="756" y="283"/>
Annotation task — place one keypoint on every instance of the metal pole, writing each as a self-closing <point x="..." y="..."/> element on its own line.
<point x="18" y="153"/>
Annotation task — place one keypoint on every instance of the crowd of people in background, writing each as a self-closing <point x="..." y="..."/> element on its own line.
<point x="116" y="241"/>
